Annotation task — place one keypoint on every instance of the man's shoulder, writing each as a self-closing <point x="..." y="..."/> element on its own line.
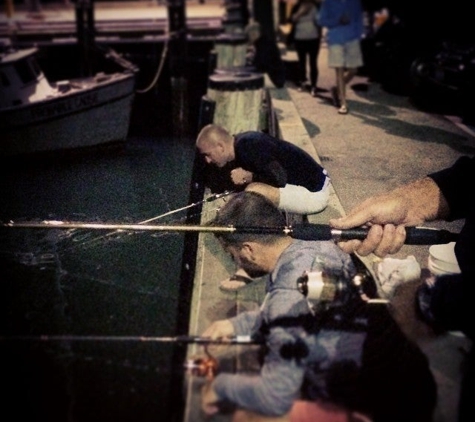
<point x="252" y="136"/>
<point x="249" y="134"/>
<point x="299" y="253"/>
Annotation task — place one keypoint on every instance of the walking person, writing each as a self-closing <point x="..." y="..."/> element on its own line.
<point x="306" y="37"/>
<point x="343" y="20"/>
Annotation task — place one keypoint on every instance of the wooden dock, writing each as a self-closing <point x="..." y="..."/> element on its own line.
<point x="146" y="21"/>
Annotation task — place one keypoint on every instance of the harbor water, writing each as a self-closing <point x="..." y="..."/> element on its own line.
<point x="112" y="288"/>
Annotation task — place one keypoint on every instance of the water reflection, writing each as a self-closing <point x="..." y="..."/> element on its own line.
<point x="76" y="282"/>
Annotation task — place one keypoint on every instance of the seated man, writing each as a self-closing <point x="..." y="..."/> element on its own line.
<point x="256" y="161"/>
<point x="347" y="355"/>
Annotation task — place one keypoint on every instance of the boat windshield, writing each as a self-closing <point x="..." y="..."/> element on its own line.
<point x="27" y="70"/>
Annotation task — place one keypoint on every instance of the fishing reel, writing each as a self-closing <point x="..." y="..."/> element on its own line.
<point x="203" y="366"/>
<point x="325" y="291"/>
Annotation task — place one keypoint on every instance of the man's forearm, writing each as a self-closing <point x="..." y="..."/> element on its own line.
<point x="424" y="200"/>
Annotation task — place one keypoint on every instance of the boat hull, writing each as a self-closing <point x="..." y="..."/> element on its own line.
<point x="95" y="111"/>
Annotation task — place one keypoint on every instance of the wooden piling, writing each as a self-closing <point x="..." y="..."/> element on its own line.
<point x="230" y="50"/>
<point x="238" y="98"/>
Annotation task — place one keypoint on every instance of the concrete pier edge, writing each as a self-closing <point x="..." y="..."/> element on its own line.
<point x="208" y="302"/>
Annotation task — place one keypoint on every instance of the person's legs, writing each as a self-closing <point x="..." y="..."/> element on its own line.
<point x="335" y="61"/>
<point x="341" y="89"/>
<point x="317" y="52"/>
<point x="313" y="65"/>
<point x="350" y="59"/>
<point x="302" y="66"/>
<point x="349" y="74"/>
<point x="299" y="200"/>
<point x="343" y="77"/>
<point x="294" y="199"/>
<point x="270" y="192"/>
<point x="353" y="59"/>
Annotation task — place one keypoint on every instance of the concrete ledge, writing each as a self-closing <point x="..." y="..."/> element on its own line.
<point x="210" y="304"/>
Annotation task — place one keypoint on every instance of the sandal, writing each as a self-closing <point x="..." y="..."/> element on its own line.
<point x="343" y="110"/>
<point x="235" y="282"/>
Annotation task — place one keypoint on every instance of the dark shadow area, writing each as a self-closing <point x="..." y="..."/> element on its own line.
<point x="425" y="53"/>
<point x="311" y="128"/>
<point x="371" y="114"/>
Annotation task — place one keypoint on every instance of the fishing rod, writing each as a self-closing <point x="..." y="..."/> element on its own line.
<point x="203" y="366"/>
<point x="305" y="231"/>
<point x="182" y="339"/>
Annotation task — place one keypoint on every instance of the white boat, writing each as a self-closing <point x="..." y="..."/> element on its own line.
<point x="37" y="115"/>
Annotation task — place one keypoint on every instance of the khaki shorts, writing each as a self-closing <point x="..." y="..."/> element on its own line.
<point x="345" y="55"/>
<point x="299" y="200"/>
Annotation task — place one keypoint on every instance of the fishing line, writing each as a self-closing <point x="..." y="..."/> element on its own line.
<point x="84" y="241"/>
<point x="161" y="216"/>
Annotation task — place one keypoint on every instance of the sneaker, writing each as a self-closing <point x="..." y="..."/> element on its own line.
<point x="343" y="110"/>
<point x="314" y="92"/>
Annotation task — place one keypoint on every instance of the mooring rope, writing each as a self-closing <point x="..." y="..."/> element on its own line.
<point x="159" y="70"/>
